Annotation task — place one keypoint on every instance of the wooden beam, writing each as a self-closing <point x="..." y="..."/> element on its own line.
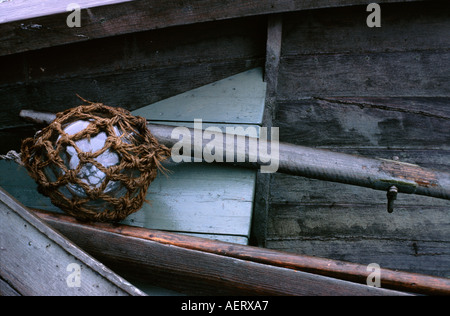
<point x="273" y="53"/>
<point x="35" y="259"/>
<point x="261" y="200"/>
<point x="200" y="261"/>
<point x="43" y="24"/>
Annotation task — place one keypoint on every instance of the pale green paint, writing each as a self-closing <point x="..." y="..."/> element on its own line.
<point x="238" y="99"/>
<point x="199" y="198"/>
<point x="211" y="201"/>
<point x="16" y="181"/>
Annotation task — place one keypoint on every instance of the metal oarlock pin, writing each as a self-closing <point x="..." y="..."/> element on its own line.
<point x="391" y="196"/>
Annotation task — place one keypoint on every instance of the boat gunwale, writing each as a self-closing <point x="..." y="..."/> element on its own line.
<point x="39" y="26"/>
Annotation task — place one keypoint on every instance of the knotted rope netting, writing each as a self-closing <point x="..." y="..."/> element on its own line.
<point x="95" y="162"/>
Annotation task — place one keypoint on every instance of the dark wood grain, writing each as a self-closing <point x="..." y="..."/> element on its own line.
<point x="348" y="223"/>
<point x="272" y="60"/>
<point x="359" y="122"/>
<point x="36" y="29"/>
<point x="418" y="26"/>
<point x="273" y="53"/>
<point x="127" y="238"/>
<point x="130" y="71"/>
<point x="419" y="73"/>
<point x="334" y="53"/>
<point x="377" y="92"/>
<point x="130" y="90"/>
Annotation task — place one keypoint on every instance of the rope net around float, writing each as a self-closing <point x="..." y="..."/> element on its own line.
<point x="95" y="162"/>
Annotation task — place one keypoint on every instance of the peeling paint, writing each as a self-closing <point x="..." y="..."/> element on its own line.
<point x="410" y="172"/>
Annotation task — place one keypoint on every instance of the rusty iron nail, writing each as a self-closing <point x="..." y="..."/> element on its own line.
<point x="391" y="196"/>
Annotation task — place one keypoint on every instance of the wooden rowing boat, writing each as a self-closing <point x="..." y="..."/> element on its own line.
<point x="315" y="69"/>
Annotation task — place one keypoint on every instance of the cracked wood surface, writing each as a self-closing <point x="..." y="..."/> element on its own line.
<point x="33" y="24"/>
<point x="130" y="71"/>
<point x="375" y="92"/>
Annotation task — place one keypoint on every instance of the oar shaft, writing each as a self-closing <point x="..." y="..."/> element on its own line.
<point x="378" y="174"/>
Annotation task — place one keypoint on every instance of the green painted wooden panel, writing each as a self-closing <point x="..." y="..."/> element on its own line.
<point x="238" y="99"/>
<point x="199" y="198"/>
<point x="16" y="181"/>
<point x="211" y="201"/>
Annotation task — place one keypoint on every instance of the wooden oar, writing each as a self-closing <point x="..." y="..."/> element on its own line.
<point x="380" y="174"/>
<point x="205" y="264"/>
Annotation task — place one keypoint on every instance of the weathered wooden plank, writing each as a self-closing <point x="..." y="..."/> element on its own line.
<point x="407" y="56"/>
<point x="190" y="44"/>
<point x="20" y="9"/>
<point x="430" y="258"/>
<point x="241" y="240"/>
<point x="261" y="199"/>
<point x="203" y="266"/>
<point x="379" y="92"/>
<point x="129" y="16"/>
<point x="6" y="289"/>
<point x="235" y="129"/>
<point x="405" y="27"/>
<point x="35" y="259"/>
<point x="273" y="54"/>
<point x="436" y="159"/>
<point x="389" y="122"/>
<point x="337" y="269"/>
<point x="293" y="190"/>
<point x="148" y="67"/>
<point x="137" y="88"/>
<point x="350" y="223"/>
<point x="434" y="107"/>
<point x="360" y="221"/>
<point x="419" y="73"/>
